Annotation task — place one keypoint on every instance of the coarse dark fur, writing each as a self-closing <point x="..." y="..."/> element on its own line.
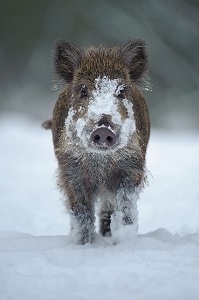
<point x="85" y="176"/>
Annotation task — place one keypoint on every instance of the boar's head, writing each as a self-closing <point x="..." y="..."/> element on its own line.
<point x="101" y="108"/>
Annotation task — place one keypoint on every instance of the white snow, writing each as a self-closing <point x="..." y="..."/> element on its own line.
<point x="104" y="101"/>
<point x="37" y="257"/>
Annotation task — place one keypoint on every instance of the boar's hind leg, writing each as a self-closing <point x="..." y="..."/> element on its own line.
<point x="105" y="221"/>
<point x="82" y="223"/>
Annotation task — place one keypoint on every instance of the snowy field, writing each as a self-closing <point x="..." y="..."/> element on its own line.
<point x="37" y="258"/>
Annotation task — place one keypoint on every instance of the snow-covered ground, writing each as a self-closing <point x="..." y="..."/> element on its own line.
<point x="37" y="258"/>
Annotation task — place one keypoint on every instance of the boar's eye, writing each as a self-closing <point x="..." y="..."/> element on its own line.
<point x="84" y="92"/>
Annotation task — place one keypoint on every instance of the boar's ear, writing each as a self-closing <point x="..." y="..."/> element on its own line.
<point x="47" y="124"/>
<point x="67" y="59"/>
<point x="135" y="58"/>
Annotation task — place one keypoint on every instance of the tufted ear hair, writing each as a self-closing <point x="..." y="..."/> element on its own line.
<point x="136" y="60"/>
<point x="67" y="59"/>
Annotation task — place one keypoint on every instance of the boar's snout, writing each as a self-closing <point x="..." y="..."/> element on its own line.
<point x="103" y="137"/>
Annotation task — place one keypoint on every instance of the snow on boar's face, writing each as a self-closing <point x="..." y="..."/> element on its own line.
<point x="102" y="104"/>
<point x="102" y="119"/>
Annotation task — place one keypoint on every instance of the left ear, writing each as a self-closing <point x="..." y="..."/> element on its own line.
<point x="136" y="59"/>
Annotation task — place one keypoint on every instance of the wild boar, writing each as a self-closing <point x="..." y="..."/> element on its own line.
<point x="101" y="128"/>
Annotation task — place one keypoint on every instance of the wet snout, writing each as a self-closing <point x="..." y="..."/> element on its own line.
<point x="103" y="137"/>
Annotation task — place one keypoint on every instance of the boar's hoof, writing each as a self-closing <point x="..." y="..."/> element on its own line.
<point x="103" y="137"/>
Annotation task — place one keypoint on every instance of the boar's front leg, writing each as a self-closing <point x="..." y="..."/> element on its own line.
<point x="125" y="213"/>
<point x="82" y="218"/>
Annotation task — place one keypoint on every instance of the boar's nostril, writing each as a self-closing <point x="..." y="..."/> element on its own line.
<point x="109" y="139"/>
<point x="103" y="137"/>
<point x="96" y="138"/>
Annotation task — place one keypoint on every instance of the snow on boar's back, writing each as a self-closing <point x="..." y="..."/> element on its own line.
<point x="100" y="129"/>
